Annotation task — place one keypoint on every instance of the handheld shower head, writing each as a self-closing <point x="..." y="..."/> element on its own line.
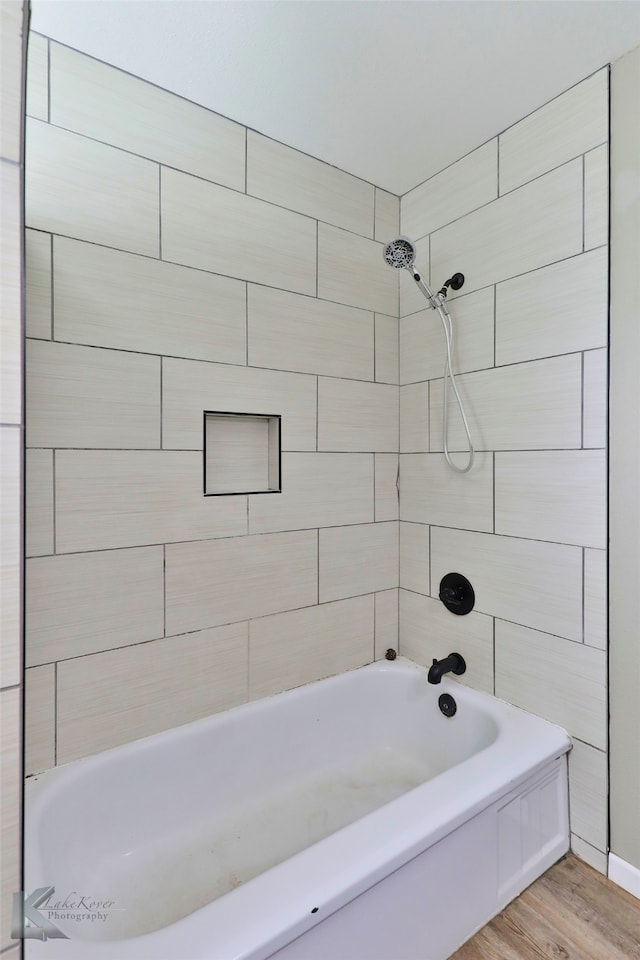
<point x="399" y="253"/>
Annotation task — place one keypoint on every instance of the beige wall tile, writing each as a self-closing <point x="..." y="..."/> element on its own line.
<point x="588" y="794"/>
<point x="10" y="294"/>
<point x="189" y="388"/>
<point x="318" y="490"/>
<point x="38" y="284"/>
<point x="293" y="648"/>
<point x="40" y="718"/>
<point x="10" y="817"/>
<point x="455" y="191"/>
<point x="528" y="582"/>
<point x="386" y="486"/>
<point x="411" y="299"/>
<point x="292" y="179"/>
<point x="423" y="344"/>
<point x="533" y="406"/>
<point x="212" y="582"/>
<point x="84" y="397"/>
<point x="431" y="492"/>
<point x="292" y="332"/>
<point x="387" y="220"/>
<point x="429" y="631"/>
<point x="414" y="418"/>
<point x="595" y="858"/>
<point x="596" y="197"/>
<point x="38" y="77"/>
<point x="11" y="25"/>
<point x="111" y="299"/>
<point x="143" y="118"/>
<point x="39" y="502"/>
<point x="482" y="244"/>
<point x="386" y="622"/>
<point x="216" y="229"/>
<point x="111" y="197"/>
<point x="532" y="670"/>
<point x="560" y="130"/>
<point x="557" y="309"/>
<point x="351" y="270"/>
<point x="553" y="495"/>
<point x="114" y="697"/>
<point x="595" y="598"/>
<point x="10" y="551"/>
<point x="92" y="601"/>
<point x="358" y="559"/>
<point x="120" y="498"/>
<point x="594" y="411"/>
<point x="414" y="557"/>
<point x="387" y="361"/>
<point x="356" y="416"/>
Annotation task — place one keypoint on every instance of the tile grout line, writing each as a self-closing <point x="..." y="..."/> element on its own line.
<point x="328" y="526"/>
<point x="298" y="293"/>
<point x="196" y="176"/>
<point x="310" y="374"/>
<point x="202" y="629"/>
<point x="502" y="132"/>
<point x="200" y="106"/>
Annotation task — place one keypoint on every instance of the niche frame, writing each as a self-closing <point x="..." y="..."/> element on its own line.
<point x="270" y="450"/>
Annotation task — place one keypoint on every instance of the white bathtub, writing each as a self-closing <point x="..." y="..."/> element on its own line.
<point x="345" y="820"/>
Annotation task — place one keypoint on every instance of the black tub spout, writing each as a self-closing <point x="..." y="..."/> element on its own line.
<point x="454" y="663"/>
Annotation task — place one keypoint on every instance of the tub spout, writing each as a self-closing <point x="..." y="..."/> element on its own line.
<point x="454" y="663"/>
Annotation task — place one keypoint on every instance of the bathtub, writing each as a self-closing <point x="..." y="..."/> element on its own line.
<point x="345" y="820"/>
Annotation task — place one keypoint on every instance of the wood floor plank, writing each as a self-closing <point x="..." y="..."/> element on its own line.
<point x="572" y="912"/>
<point x="593" y="912"/>
<point x="499" y="940"/>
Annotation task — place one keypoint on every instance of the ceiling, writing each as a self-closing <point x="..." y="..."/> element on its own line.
<point x="390" y="91"/>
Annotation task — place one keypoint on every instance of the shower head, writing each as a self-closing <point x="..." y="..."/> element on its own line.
<point x="399" y="253"/>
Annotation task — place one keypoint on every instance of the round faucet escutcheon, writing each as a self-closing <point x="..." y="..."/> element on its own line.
<point x="457" y="594"/>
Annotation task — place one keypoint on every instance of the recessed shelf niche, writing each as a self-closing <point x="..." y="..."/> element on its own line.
<point x="241" y="453"/>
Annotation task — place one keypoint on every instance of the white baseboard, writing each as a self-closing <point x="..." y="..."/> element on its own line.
<point x="625" y="875"/>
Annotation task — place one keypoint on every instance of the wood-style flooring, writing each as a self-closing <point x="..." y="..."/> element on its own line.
<point x="571" y="913"/>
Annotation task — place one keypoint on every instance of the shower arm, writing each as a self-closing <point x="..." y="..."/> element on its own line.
<point x="436" y="300"/>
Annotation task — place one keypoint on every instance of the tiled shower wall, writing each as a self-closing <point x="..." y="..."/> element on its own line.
<point x="525" y="218"/>
<point x="12" y="26"/>
<point x="177" y="263"/>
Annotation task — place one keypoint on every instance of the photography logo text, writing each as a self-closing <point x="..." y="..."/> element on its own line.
<point x="35" y="915"/>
